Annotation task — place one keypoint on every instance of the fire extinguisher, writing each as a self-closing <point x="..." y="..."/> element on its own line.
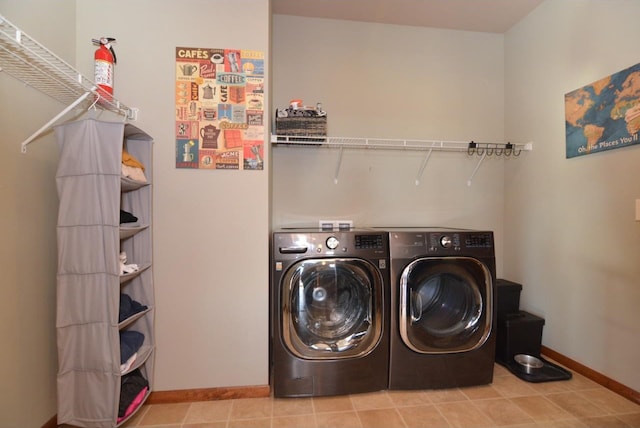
<point x="105" y="59"/>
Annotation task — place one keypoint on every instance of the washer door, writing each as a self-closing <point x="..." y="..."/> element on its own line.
<point x="331" y="308"/>
<point x="445" y="305"/>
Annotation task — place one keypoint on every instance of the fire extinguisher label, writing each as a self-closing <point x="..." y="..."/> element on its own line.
<point x="104" y="73"/>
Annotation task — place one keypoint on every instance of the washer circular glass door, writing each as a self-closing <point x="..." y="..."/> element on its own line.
<point x="445" y="304"/>
<point x="331" y="308"/>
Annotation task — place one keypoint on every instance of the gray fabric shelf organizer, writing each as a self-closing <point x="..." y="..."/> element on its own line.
<point x="91" y="193"/>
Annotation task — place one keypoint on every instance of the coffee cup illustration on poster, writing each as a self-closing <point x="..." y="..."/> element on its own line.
<point x="219" y="108"/>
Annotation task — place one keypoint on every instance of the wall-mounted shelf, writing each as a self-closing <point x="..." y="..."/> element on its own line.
<point x="28" y="61"/>
<point x="470" y="147"/>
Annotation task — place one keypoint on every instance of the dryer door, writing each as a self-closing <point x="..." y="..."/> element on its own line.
<point x="331" y="308"/>
<point x="445" y="304"/>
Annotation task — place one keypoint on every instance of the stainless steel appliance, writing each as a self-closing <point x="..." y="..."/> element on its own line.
<point x="329" y="312"/>
<point x="442" y="308"/>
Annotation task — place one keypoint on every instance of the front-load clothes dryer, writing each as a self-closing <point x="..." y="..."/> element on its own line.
<point x="329" y="312"/>
<point x="442" y="308"/>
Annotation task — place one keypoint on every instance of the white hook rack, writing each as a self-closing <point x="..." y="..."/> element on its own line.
<point x="481" y="149"/>
<point x="28" y="61"/>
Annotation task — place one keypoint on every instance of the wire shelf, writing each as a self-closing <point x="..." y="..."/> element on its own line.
<point x="28" y="61"/>
<point x="469" y="147"/>
<point x="398" y="144"/>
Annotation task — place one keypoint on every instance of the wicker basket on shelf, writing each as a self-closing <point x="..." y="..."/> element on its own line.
<point x="312" y="128"/>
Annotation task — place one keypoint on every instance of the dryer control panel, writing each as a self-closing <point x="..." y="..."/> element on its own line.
<point x="479" y="240"/>
<point x="441" y="242"/>
<point x="436" y="240"/>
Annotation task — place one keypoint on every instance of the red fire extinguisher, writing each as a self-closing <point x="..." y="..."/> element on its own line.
<point x="105" y="59"/>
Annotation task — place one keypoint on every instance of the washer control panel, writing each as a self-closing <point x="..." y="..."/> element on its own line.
<point x="369" y="242"/>
<point x="292" y="245"/>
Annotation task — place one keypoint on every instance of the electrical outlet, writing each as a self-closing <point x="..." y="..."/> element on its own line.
<point x="345" y="224"/>
<point x="335" y="224"/>
<point x="327" y="224"/>
<point x="637" y="209"/>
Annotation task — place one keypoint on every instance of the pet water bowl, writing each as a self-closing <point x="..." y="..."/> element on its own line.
<point x="528" y="363"/>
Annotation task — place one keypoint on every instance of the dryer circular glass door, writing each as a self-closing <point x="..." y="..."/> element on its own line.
<point x="331" y="308"/>
<point x="445" y="304"/>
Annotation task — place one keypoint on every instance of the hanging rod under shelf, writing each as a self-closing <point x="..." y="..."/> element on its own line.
<point x="28" y="61"/>
<point x="470" y="147"/>
<point x="391" y="144"/>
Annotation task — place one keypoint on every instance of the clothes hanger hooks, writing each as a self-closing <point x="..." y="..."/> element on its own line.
<point x="488" y="149"/>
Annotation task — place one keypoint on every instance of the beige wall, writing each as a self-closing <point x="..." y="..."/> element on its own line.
<point x="210" y="227"/>
<point x="570" y="233"/>
<point x="567" y="225"/>
<point x="388" y="81"/>
<point x="28" y="207"/>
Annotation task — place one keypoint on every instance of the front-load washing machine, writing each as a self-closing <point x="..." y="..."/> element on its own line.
<point x="329" y="312"/>
<point x="442" y="308"/>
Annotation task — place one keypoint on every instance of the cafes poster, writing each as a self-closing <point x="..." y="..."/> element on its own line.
<point x="219" y="109"/>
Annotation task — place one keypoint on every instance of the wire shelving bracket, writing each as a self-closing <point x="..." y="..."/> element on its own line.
<point x="481" y="149"/>
<point x="28" y="61"/>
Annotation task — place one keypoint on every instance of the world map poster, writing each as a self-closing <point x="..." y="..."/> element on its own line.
<point x="604" y="115"/>
<point x="219" y="109"/>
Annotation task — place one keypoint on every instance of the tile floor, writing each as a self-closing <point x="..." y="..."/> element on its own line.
<point x="507" y="402"/>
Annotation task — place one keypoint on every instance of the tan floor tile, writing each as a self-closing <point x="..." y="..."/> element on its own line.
<point x="632" y="419"/>
<point x="332" y="404"/>
<point x="503" y="412"/>
<point x="610" y="401"/>
<point x="292" y="406"/>
<point x="604" y="421"/>
<point x="529" y="425"/>
<point x="158" y="414"/>
<point x="408" y="398"/>
<point x="161" y="426"/>
<point x="373" y="400"/>
<point x="423" y="417"/>
<point x="208" y="411"/>
<point x="564" y="423"/>
<point x="500" y="370"/>
<point x="480" y="392"/>
<point x="445" y="395"/>
<point x="511" y="386"/>
<point x="297" y="421"/>
<point x="203" y="425"/>
<point x="539" y="408"/>
<point x="250" y="408"/>
<point x="508" y="402"/>
<point x="549" y="387"/>
<point x="464" y="415"/>
<point x="579" y="382"/>
<point x="338" y="420"/>
<point x="250" y="423"/>
<point x="576" y="405"/>
<point x="381" y="418"/>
